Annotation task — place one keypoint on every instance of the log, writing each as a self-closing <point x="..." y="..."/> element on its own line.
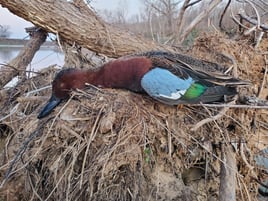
<point x="18" y="65"/>
<point x="76" y="22"/>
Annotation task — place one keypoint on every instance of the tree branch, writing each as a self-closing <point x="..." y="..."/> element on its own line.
<point x="223" y="13"/>
<point x="19" y="64"/>
<point x="180" y="19"/>
<point x="264" y="27"/>
<point x="193" y="3"/>
<point x="199" y="18"/>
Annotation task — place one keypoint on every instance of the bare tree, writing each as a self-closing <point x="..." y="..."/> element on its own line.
<point x="118" y="16"/>
<point x="5" y="31"/>
<point x="170" y="14"/>
<point x="166" y="9"/>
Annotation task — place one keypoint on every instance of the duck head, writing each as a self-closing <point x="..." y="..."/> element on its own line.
<point x="65" y="81"/>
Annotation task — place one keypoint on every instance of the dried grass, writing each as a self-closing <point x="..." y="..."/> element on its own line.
<point x="107" y="144"/>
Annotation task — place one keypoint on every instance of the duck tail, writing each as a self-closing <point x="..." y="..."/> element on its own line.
<point x="217" y="93"/>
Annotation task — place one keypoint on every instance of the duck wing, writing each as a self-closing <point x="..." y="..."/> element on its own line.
<point x="207" y="73"/>
<point x="164" y="86"/>
<point x="176" y="78"/>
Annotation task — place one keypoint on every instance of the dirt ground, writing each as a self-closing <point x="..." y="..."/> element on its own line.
<point x="110" y="144"/>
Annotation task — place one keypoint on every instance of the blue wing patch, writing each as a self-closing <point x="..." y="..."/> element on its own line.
<point x="164" y="86"/>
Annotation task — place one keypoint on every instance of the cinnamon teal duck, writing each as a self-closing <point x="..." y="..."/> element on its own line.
<point x="167" y="77"/>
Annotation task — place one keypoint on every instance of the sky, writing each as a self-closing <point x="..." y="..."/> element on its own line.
<point x="17" y="25"/>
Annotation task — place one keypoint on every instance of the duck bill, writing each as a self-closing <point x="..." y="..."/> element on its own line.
<point x="51" y="104"/>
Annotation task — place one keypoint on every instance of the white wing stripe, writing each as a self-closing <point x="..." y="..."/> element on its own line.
<point x="175" y="95"/>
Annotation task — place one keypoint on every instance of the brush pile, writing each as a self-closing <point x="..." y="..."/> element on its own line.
<point x="109" y="144"/>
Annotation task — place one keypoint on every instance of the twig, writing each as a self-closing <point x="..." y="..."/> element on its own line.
<point x="213" y="118"/>
<point x="250" y="167"/>
<point x="222" y="15"/>
<point x="14" y="109"/>
<point x="193" y="3"/>
<point x="254" y="28"/>
<point x="22" y="149"/>
<point x="246" y="190"/>
<point x="58" y="41"/>
<point x="16" y="69"/>
<point x="72" y="132"/>
<point x="238" y="22"/>
<point x="59" y="180"/>
<point x="259" y="38"/>
<point x="169" y="140"/>
<point x="31" y="98"/>
<point x="264" y="76"/>
<point x="264" y="27"/>
<point x="91" y="138"/>
<point x="217" y="157"/>
<point x="32" y="187"/>
<point x="234" y="67"/>
<point x="233" y="106"/>
<point x="257" y="13"/>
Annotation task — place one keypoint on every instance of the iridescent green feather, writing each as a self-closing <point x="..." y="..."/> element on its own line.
<point x="194" y="91"/>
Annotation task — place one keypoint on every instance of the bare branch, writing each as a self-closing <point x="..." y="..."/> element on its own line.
<point x="199" y="18"/>
<point x="264" y="27"/>
<point x="222" y="15"/>
<point x="180" y="18"/>
<point x="193" y="3"/>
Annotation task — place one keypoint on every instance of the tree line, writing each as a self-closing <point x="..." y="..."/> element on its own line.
<point x="166" y="21"/>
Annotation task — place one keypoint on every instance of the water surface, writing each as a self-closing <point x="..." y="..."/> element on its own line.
<point x="43" y="58"/>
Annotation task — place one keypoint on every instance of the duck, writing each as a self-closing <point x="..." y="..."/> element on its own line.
<point x="170" y="78"/>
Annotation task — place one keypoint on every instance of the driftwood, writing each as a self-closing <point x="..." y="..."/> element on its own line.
<point x="18" y="65"/>
<point x="75" y="22"/>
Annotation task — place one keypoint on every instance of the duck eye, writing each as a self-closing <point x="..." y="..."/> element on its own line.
<point x="62" y="85"/>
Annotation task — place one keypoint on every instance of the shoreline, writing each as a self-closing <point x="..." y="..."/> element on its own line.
<point x="12" y="42"/>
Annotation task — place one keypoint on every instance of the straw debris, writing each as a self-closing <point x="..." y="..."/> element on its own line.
<point x="110" y="144"/>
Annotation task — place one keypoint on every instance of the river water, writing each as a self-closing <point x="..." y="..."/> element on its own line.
<point x="43" y="58"/>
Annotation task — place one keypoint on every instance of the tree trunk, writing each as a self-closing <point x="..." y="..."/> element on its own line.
<point x="75" y="22"/>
